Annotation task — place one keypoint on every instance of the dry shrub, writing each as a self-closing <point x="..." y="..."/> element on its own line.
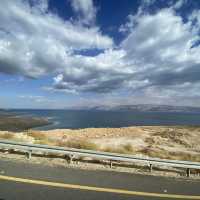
<point x="78" y="144"/>
<point x="40" y="138"/>
<point x="172" y="155"/>
<point x="114" y="150"/>
<point x="171" y="136"/>
<point x="123" y="149"/>
<point x="36" y="135"/>
<point x="155" y="153"/>
<point x="45" y="141"/>
<point x="184" y="156"/>
<point x="83" y="144"/>
<point x="7" y="136"/>
<point x="128" y="147"/>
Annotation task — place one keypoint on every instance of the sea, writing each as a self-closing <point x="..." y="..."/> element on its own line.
<point x="75" y="119"/>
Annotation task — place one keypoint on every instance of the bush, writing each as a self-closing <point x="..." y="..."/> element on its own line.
<point x="7" y="136"/>
<point x="128" y="147"/>
<point x="36" y="135"/>
<point x="123" y="149"/>
<point x="78" y="144"/>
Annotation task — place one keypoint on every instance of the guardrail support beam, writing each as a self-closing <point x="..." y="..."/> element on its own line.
<point x="69" y="158"/>
<point x="29" y="154"/>
<point x="150" y="167"/>
<point x="111" y="164"/>
<point x="188" y="172"/>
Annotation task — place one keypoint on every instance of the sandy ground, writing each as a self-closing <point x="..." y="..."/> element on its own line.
<point x="178" y="142"/>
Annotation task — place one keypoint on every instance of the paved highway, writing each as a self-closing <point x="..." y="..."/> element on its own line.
<point x="32" y="181"/>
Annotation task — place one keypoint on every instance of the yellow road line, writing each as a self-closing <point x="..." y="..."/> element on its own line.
<point x="97" y="189"/>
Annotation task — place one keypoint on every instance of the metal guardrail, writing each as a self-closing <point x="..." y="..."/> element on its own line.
<point x="71" y="152"/>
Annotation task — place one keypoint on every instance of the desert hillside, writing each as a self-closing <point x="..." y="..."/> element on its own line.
<point x="176" y="142"/>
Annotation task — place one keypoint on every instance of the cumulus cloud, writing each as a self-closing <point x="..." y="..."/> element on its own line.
<point x="85" y="10"/>
<point x="158" y="58"/>
<point x="161" y="46"/>
<point x="162" y="49"/>
<point x="179" y="4"/>
<point x="158" y="52"/>
<point x="34" y="42"/>
<point x="102" y="73"/>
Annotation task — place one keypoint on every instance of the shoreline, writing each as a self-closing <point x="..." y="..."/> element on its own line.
<point x="12" y="122"/>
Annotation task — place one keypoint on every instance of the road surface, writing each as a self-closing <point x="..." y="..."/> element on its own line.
<point x="32" y="181"/>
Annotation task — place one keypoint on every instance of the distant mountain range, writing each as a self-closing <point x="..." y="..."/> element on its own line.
<point x="147" y="108"/>
<point x="136" y="108"/>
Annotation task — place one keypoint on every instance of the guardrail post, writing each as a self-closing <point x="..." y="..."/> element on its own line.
<point x="188" y="172"/>
<point x="111" y="164"/>
<point x="29" y="153"/>
<point x="150" y="167"/>
<point x="69" y="158"/>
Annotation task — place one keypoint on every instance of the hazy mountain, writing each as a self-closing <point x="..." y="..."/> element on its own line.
<point x="148" y="108"/>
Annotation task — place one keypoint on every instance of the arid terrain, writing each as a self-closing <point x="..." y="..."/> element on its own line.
<point x="12" y="122"/>
<point x="174" y="142"/>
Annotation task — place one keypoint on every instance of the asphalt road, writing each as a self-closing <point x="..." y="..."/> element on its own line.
<point x="32" y="181"/>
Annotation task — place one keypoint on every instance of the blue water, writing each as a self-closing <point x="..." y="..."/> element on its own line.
<point x="83" y="119"/>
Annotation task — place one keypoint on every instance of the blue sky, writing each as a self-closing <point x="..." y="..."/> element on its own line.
<point x="84" y="53"/>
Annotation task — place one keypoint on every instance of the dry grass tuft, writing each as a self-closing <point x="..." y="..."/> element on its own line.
<point x="7" y="136"/>
<point x="45" y="142"/>
<point x="123" y="149"/>
<point x="36" y="135"/>
<point x="79" y="144"/>
<point x="40" y="138"/>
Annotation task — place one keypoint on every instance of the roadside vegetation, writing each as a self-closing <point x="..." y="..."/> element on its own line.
<point x="180" y="143"/>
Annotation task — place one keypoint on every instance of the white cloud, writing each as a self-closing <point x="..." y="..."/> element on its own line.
<point x="34" y="43"/>
<point x="101" y="73"/>
<point x="124" y="28"/>
<point x="161" y="46"/>
<point x="195" y="20"/>
<point x="179" y="4"/>
<point x="85" y="9"/>
<point x="36" y="99"/>
<point x="157" y="61"/>
<point x="162" y="43"/>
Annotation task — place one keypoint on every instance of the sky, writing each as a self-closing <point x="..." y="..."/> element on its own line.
<point x="59" y="54"/>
